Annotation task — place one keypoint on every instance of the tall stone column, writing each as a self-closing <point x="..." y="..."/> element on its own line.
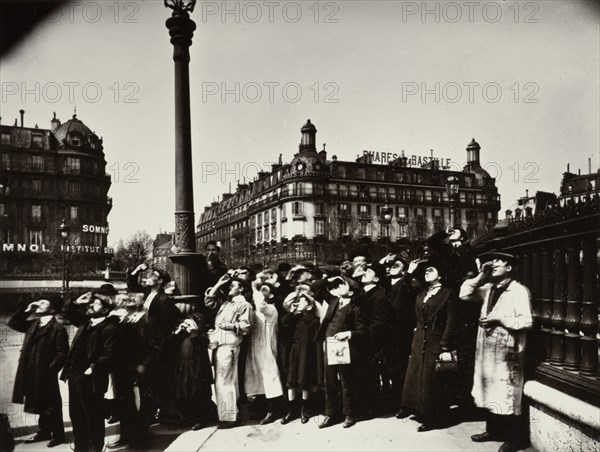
<point x="184" y="257"/>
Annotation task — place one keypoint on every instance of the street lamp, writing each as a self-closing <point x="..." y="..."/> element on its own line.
<point x="184" y="257"/>
<point x="452" y="186"/>
<point x="386" y="217"/>
<point x="63" y="229"/>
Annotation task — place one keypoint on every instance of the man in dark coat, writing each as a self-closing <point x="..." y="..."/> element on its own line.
<point x="43" y="354"/>
<point x="343" y="321"/>
<point x="376" y="314"/>
<point x="401" y="298"/>
<point x="86" y="370"/>
<point x="160" y="320"/>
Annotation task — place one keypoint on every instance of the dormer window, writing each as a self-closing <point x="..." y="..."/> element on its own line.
<point x="36" y="141"/>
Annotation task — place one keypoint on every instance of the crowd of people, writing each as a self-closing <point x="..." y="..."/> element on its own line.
<point x="352" y="341"/>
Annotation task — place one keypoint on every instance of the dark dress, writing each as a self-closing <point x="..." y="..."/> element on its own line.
<point x="193" y="376"/>
<point x="305" y="365"/>
<point x="436" y="329"/>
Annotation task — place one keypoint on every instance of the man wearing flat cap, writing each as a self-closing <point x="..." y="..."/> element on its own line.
<point x="501" y="343"/>
<point x="233" y="321"/>
<point x="45" y="348"/>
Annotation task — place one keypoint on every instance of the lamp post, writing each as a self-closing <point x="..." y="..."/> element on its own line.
<point x="184" y="257"/>
<point x="63" y="229"/>
<point x="386" y="217"/>
<point x="452" y="186"/>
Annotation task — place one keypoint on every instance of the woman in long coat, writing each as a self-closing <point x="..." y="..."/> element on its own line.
<point x="423" y="393"/>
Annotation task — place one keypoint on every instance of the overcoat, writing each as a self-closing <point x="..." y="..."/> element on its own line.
<point x="305" y="368"/>
<point x="42" y="356"/>
<point x="99" y="350"/>
<point x="401" y="298"/>
<point x="436" y="329"/>
<point x="500" y="356"/>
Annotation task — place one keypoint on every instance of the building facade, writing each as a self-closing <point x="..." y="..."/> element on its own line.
<point x="577" y="187"/>
<point x="47" y="176"/>
<point x="161" y="249"/>
<point x="320" y="209"/>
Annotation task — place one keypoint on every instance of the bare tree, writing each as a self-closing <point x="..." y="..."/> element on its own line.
<point x="138" y="249"/>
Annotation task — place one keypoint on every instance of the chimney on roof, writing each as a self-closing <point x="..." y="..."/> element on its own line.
<point x="54" y="123"/>
<point x="22" y="116"/>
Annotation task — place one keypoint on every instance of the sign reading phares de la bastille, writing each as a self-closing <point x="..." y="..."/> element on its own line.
<point x="411" y="160"/>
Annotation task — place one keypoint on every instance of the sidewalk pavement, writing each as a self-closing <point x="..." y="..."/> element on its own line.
<point x="379" y="434"/>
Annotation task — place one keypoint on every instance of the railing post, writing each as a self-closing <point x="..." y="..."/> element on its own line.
<point x="536" y="286"/>
<point x="573" y="319"/>
<point x="589" y="320"/>
<point x="526" y="269"/>
<point x="546" y="301"/>
<point x="558" y="309"/>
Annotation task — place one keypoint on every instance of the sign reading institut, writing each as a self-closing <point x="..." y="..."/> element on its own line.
<point x="33" y="248"/>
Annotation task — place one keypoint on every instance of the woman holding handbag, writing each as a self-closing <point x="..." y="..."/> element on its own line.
<point x="433" y="339"/>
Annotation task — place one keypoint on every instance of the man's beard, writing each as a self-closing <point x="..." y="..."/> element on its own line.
<point x="94" y="314"/>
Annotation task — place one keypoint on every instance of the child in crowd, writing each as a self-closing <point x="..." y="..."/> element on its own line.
<point x="306" y="355"/>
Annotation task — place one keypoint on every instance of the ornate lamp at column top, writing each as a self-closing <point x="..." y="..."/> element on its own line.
<point x="181" y="5"/>
<point x="452" y="186"/>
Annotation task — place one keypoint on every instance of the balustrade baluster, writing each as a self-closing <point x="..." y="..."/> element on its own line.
<point x="589" y="320"/>
<point x="558" y="309"/>
<point x="573" y="318"/>
<point x="546" y="301"/>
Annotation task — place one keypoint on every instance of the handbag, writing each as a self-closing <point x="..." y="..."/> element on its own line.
<point x="446" y="368"/>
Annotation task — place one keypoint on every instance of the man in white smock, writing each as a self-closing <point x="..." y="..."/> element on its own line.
<point x="501" y="343"/>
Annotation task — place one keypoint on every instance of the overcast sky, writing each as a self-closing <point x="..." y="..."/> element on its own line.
<point x="520" y="77"/>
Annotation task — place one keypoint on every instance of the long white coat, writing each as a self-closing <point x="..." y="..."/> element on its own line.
<point x="262" y="373"/>
<point x="500" y="356"/>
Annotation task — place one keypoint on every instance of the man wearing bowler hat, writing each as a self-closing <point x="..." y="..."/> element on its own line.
<point x="43" y="354"/>
<point x="501" y="343"/>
